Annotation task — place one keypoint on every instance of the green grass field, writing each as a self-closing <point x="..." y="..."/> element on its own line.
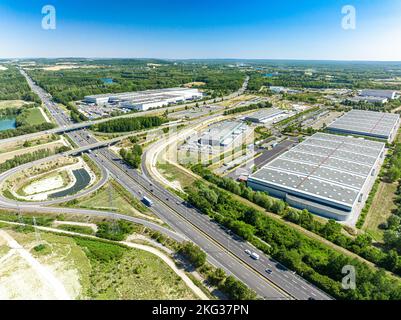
<point x="34" y="116"/>
<point x="110" y="197"/>
<point x="380" y="210"/>
<point x="172" y="173"/>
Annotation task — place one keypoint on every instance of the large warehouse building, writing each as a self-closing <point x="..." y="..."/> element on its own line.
<point x="265" y="115"/>
<point x="389" y="94"/>
<point x="224" y="133"/>
<point x="327" y="174"/>
<point x="379" y="125"/>
<point x="144" y="100"/>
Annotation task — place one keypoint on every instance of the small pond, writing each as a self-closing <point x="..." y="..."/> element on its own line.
<point x="82" y="181"/>
<point x="7" y="123"/>
<point x="107" y="80"/>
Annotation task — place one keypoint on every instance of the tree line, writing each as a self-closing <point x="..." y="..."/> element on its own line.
<point x="129" y="124"/>
<point x="260" y="105"/>
<point x="311" y="259"/>
<point x="229" y="285"/>
<point x="24" y="158"/>
<point x="26" y="130"/>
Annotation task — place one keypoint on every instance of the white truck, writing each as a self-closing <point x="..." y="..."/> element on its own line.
<point x="255" y="256"/>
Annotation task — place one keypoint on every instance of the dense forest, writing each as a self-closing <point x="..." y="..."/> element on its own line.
<point x="320" y="74"/>
<point x="134" y="75"/>
<point x="13" y="86"/>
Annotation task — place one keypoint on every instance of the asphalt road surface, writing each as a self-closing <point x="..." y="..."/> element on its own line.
<point x="263" y="159"/>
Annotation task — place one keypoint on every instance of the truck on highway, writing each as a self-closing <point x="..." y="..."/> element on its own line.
<point x="147" y="201"/>
<point x="255" y="256"/>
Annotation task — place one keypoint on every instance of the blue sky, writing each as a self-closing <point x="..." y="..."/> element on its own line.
<point x="285" y="29"/>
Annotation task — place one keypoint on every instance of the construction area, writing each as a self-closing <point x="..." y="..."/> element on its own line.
<point x="378" y="125"/>
<point x="328" y="175"/>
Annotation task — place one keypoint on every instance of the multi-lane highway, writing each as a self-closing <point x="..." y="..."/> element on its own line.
<point x="224" y="249"/>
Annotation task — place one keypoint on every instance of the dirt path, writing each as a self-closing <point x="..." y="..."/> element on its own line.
<point x="47" y="276"/>
<point x="198" y="292"/>
<point x="44" y="115"/>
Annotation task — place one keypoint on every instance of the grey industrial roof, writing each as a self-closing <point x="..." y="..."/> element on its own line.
<point x="329" y="167"/>
<point x="369" y="99"/>
<point x="222" y="130"/>
<point x="264" y="114"/>
<point x="378" y="93"/>
<point x="134" y="94"/>
<point x="376" y="124"/>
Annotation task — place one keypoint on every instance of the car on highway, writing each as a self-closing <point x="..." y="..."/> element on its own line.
<point x="247" y="251"/>
<point x="269" y="271"/>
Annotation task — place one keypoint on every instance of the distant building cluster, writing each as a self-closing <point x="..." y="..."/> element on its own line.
<point x="331" y="174"/>
<point x="145" y="100"/>
<point x="277" y="89"/>
<point x="375" y="96"/>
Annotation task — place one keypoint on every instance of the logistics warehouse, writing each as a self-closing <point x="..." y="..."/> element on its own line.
<point x="327" y="174"/>
<point x="145" y="100"/>
<point x="373" y="124"/>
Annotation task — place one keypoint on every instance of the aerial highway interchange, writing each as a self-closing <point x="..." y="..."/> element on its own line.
<point x="224" y="249"/>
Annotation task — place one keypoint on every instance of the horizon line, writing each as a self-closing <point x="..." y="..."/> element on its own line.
<point x="183" y="59"/>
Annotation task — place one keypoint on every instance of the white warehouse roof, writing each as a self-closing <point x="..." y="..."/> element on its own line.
<point x="326" y="169"/>
<point x="158" y="97"/>
<point x="264" y="115"/>
<point x="390" y="94"/>
<point x="369" y="123"/>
